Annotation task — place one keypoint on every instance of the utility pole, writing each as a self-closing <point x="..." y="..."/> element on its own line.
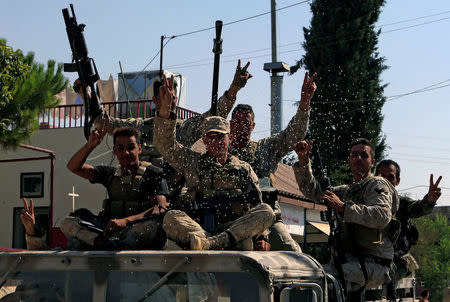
<point x="276" y="78"/>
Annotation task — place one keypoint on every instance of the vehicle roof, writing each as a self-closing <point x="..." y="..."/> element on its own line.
<point x="274" y="266"/>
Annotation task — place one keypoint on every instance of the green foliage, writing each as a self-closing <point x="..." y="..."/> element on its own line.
<point x="341" y="46"/>
<point x="432" y="252"/>
<point x="318" y="251"/>
<point x="26" y="88"/>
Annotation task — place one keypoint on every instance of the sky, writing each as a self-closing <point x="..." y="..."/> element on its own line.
<point x="414" y="42"/>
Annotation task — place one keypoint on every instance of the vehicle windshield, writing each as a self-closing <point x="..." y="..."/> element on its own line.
<point x="183" y="287"/>
<point x="124" y="286"/>
<point x="48" y="286"/>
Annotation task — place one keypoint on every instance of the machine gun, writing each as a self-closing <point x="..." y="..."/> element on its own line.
<point x="84" y="66"/>
<point x="329" y="215"/>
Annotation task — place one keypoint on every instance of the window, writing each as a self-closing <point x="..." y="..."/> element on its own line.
<point x="32" y="184"/>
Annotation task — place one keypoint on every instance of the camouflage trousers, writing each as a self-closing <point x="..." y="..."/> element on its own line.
<point x="179" y="226"/>
<point x="279" y="237"/>
<point x="377" y="274"/>
<point x="147" y="234"/>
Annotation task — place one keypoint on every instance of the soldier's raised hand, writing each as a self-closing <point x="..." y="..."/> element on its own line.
<point x="241" y="75"/>
<point x="98" y="134"/>
<point x="434" y="192"/>
<point x="167" y="99"/>
<point x="27" y="217"/>
<point x="240" y="79"/>
<point x="303" y="148"/>
<point x="308" y="89"/>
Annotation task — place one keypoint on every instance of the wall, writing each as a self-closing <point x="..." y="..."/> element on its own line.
<point x="64" y="142"/>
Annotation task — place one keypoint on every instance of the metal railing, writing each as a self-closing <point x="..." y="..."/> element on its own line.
<point x="72" y="116"/>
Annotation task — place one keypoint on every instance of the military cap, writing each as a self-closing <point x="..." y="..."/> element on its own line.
<point x="216" y="124"/>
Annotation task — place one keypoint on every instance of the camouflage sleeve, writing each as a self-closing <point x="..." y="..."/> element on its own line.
<point x="307" y="184"/>
<point x="192" y="129"/>
<point x="145" y="126"/>
<point x="419" y="208"/>
<point x="181" y="158"/>
<point x="253" y="179"/>
<point x="36" y="242"/>
<point x="273" y="148"/>
<point x="376" y="212"/>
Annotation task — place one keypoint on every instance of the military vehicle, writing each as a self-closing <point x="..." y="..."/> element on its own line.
<point x="164" y="276"/>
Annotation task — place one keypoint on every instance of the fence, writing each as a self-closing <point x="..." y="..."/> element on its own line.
<point x="72" y="116"/>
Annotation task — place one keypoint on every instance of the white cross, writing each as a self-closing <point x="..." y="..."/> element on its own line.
<point x="73" y="195"/>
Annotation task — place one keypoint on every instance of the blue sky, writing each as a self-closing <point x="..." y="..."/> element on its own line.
<point x="416" y="125"/>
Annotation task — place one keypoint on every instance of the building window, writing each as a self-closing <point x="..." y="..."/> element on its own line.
<point x="32" y="184"/>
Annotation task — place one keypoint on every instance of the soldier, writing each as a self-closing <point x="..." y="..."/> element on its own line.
<point x="187" y="132"/>
<point x="207" y="175"/>
<point x="403" y="261"/>
<point x="265" y="154"/>
<point x="365" y="207"/>
<point x="136" y="190"/>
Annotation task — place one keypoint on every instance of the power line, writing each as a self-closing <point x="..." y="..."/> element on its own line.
<point x="414" y="19"/>
<point x="240" y="20"/>
<point x="392" y="97"/>
<point x="421" y="155"/>
<point x="420" y="186"/>
<point x="327" y="37"/>
<point x="416" y="25"/>
<point x="143" y="69"/>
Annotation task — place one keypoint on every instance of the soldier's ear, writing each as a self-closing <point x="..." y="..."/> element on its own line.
<point x="115" y="150"/>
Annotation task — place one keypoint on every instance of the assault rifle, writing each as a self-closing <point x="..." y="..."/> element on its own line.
<point x="329" y="215"/>
<point x="84" y="66"/>
<point x="209" y="211"/>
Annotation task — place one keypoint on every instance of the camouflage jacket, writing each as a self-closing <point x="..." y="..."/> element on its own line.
<point x="188" y="131"/>
<point x="203" y="175"/>
<point x="265" y="154"/>
<point x="410" y="209"/>
<point x="378" y="206"/>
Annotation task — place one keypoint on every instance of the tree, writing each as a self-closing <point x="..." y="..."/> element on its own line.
<point x="26" y="88"/>
<point x="341" y="46"/>
<point x="432" y="252"/>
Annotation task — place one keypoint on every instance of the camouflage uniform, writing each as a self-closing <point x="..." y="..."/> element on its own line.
<point x="128" y="195"/>
<point x="409" y="235"/>
<point x="369" y="208"/>
<point x="187" y="134"/>
<point x="264" y="156"/>
<point x="37" y="241"/>
<point x="205" y="177"/>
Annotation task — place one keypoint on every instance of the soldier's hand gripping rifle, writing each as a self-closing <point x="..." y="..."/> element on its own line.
<point x="84" y="66"/>
<point x="217" y="50"/>
<point x="329" y="215"/>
